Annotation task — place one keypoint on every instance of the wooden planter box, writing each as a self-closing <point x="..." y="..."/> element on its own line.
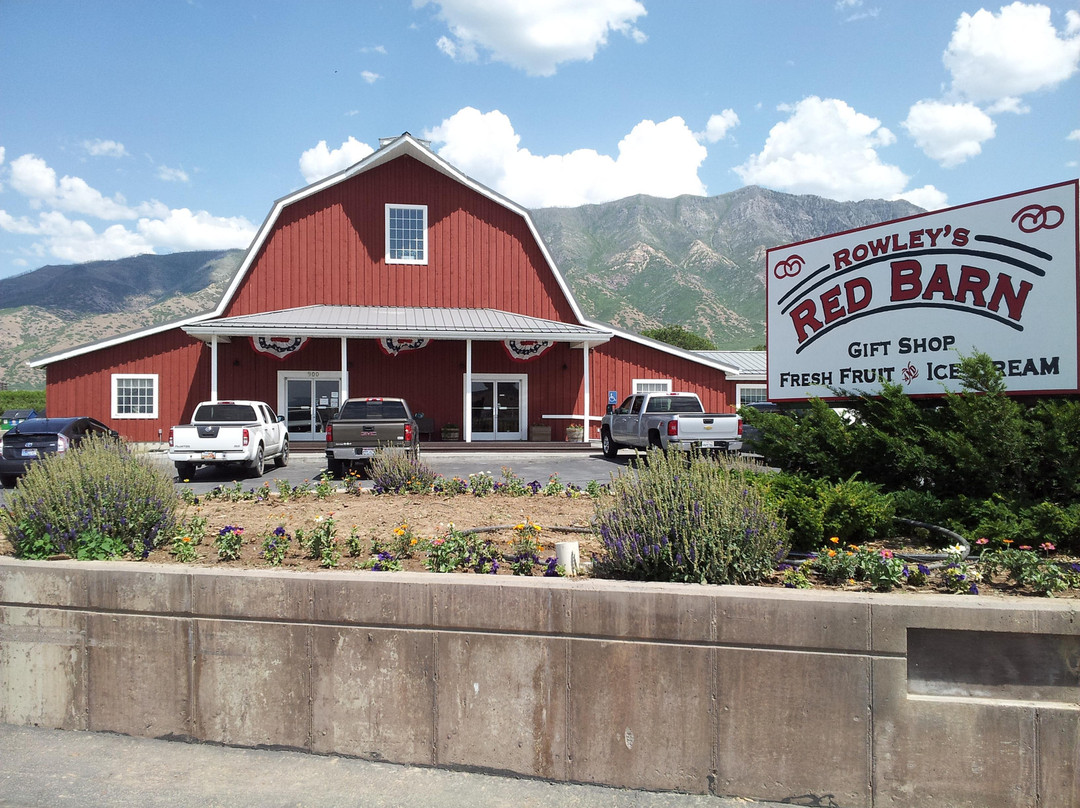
<point x="540" y="433"/>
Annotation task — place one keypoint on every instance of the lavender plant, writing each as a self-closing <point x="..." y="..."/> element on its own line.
<point x="674" y="518"/>
<point x="96" y="500"/>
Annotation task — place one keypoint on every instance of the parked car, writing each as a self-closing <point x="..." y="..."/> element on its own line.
<point x="243" y="433"/>
<point x="32" y="439"/>
<point x="674" y="421"/>
<point x="364" y="425"/>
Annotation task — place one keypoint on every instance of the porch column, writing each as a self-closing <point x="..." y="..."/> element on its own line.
<point x="213" y="369"/>
<point x="466" y="421"/>
<point x="585" y="355"/>
<point x="344" y="394"/>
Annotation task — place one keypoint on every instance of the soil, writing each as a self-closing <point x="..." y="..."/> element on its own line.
<point x="376" y="517"/>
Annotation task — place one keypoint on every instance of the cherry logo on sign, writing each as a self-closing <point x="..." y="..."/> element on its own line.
<point x="1037" y="217"/>
<point x="789" y="267"/>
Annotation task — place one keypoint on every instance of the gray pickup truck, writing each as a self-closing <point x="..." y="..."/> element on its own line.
<point x="668" y="421"/>
<point x="363" y="425"/>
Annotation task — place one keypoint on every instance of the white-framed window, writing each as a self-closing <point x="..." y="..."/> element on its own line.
<point x="750" y="394"/>
<point x="652" y="385"/>
<point x="134" y="395"/>
<point x="406" y="234"/>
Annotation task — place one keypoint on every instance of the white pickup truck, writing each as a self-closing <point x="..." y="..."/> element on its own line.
<point x="245" y="433"/>
<point x="668" y="421"/>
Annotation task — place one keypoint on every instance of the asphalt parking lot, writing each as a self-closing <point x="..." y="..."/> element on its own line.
<point x="574" y="466"/>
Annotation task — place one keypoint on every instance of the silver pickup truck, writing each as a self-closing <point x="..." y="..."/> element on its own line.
<point x="668" y="421"/>
<point x="363" y="425"/>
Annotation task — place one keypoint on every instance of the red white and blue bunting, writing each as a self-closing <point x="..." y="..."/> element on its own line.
<point x="392" y="346"/>
<point x="522" y="350"/>
<point x="278" y="347"/>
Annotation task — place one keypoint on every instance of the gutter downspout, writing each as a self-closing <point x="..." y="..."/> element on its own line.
<point x="344" y="394"/>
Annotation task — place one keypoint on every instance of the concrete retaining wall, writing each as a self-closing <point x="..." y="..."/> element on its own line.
<point x="814" y="697"/>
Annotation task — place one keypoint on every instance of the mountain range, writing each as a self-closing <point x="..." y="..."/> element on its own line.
<point x="638" y="263"/>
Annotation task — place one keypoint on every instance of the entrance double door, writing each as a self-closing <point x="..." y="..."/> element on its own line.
<point x="311" y="400"/>
<point x="499" y="407"/>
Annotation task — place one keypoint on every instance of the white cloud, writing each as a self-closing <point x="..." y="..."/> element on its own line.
<point x="158" y="227"/>
<point x="1073" y="135"/>
<point x="320" y="161"/>
<point x="184" y="230"/>
<point x="949" y="133"/>
<point x="827" y="148"/>
<point x="172" y="174"/>
<point x="32" y="177"/>
<point x="105" y="148"/>
<point x="928" y="197"/>
<point x="659" y="159"/>
<point x="1016" y="51"/>
<point x="718" y="126"/>
<point x="369" y="76"/>
<point x="534" y="35"/>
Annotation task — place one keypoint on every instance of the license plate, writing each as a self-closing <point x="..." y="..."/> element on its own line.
<point x="365" y="452"/>
<point x="708" y="444"/>
<point x="29" y="452"/>
<point x="209" y="456"/>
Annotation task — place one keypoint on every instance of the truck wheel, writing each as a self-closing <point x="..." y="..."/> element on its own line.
<point x="185" y="471"/>
<point x="282" y="459"/>
<point x="654" y="441"/>
<point x="258" y="464"/>
<point x="8" y="480"/>
<point x="336" y="469"/>
<point x="610" y="447"/>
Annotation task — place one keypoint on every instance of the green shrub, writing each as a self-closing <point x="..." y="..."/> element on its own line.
<point x="679" y="518"/>
<point x="852" y="510"/>
<point x="22" y="400"/>
<point x="396" y="472"/>
<point x="97" y="500"/>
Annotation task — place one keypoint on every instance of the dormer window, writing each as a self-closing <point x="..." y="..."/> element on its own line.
<point x="406" y="234"/>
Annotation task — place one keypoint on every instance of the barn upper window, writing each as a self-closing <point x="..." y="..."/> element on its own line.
<point x="406" y="234"/>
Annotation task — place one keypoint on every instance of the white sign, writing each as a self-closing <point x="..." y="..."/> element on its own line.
<point x="901" y="301"/>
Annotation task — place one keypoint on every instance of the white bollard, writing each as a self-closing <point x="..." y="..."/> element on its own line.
<point x="567" y="556"/>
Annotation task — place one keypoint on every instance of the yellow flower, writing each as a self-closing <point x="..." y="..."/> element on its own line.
<point x="835" y="539"/>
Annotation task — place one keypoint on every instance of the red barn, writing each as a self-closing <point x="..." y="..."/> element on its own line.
<point x="399" y="276"/>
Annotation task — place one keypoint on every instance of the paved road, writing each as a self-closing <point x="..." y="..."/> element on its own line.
<point x="572" y="467"/>
<point x="45" y="768"/>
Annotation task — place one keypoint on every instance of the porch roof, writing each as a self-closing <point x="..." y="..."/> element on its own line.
<point x="372" y="322"/>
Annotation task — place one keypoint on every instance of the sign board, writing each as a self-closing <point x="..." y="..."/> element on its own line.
<point x="901" y="301"/>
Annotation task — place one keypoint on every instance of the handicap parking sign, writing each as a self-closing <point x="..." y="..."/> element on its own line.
<point x="612" y="396"/>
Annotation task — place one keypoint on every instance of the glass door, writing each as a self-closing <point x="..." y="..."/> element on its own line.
<point x="497" y="408"/>
<point x="310" y="401"/>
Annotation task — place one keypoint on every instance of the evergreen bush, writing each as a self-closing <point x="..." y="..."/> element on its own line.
<point x="95" y="501"/>
<point x="673" y="517"/>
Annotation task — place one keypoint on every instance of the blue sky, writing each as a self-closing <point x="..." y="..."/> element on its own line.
<point x="135" y="127"/>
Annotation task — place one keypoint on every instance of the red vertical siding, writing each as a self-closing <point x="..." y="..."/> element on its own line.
<point x="329" y="249"/>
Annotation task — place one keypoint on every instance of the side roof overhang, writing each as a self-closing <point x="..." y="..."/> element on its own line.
<point x="403" y="145"/>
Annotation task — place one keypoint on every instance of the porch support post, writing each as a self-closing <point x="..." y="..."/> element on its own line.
<point x="585" y="355"/>
<point x="213" y="369"/>
<point x="344" y="370"/>
<point x="466" y="418"/>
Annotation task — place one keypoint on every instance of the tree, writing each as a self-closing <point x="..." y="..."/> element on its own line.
<point x="679" y="337"/>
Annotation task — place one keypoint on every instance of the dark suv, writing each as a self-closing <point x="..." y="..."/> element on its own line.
<point x="34" y="438"/>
